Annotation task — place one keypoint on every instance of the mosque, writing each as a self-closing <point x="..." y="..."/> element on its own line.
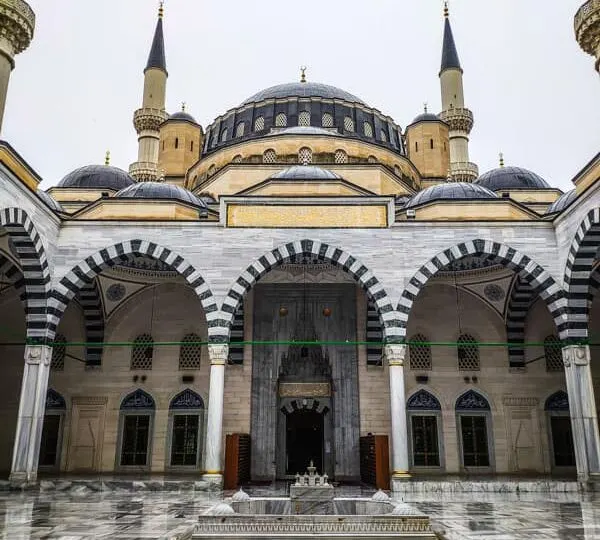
<point x="292" y="282"/>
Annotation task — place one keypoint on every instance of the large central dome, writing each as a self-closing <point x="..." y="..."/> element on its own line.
<point x="303" y="89"/>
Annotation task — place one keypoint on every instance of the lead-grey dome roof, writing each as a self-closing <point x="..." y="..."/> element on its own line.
<point x="511" y="178"/>
<point x="562" y="202"/>
<point x="303" y="89"/>
<point x="451" y="191"/>
<point x="49" y="200"/>
<point x="305" y="172"/>
<point x="303" y="130"/>
<point x="159" y="190"/>
<point x="97" y="177"/>
<point x="426" y="117"/>
<point x="183" y="116"/>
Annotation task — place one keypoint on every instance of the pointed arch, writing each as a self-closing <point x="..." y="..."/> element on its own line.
<point x="540" y="280"/>
<point x="32" y="259"/>
<point x="13" y="273"/>
<point x="522" y="297"/>
<point x="138" y="399"/>
<point x="84" y="273"/>
<point x="389" y="318"/>
<point x="559" y="401"/>
<point x="91" y="303"/>
<point x="472" y="400"/>
<point x="187" y="399"/>
<point x="422" y="400"/>
<point x="54" y="401"/>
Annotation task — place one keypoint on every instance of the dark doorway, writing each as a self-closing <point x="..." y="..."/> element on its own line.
<point x="49" y="444"/>
<point x="474" y="441"/>
<point x="304" y="441"/>
<point x="562" y="441"/>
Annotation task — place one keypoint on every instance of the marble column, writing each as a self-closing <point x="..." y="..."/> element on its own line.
<point x="213" y="470"/>
<point x="582" y="408"/>
<point x="31" y="414"/>
<point x="395" y="357"/>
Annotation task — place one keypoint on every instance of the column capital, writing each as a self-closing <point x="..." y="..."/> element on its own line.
<point x="38" y="354"/>
<point x="218" y="353"/>
<point x="395" y="353"/>
<point x="576" y="355"/>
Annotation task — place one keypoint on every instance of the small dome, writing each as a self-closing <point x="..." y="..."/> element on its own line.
<point x="305" y="172"/>
<point x="97" y="177"/>
<point x="159" y="190"/>
<point x="451" y="191"/>
<point x="303" y="89"/>
<point x="511" y="178"/>
<point x="182" y="116"/>
<point x="49" y="200"/>
<point x="303" y="130"/>
<point x="426" y="117"/>
<point x="562" y="202"/>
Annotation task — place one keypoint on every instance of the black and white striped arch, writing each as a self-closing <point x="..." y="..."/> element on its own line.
<point x="12" y="273"/>
<point x="521" y="299"/>
<point x="90" y="301"/>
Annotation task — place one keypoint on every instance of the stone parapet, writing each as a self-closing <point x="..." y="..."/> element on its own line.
<point x="148" y="119"/>
<point x="459" y="119"/>
<point x="144" y="171"/>
<point x="464" y="171"/>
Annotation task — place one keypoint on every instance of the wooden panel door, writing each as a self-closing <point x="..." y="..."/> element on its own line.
<point x="87" y="434"/>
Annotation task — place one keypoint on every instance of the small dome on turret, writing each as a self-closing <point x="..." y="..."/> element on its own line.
<point x="97" y="177"/>
<point x="426" y="117"/>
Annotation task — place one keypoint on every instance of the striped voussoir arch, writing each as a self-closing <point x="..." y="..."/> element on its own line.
<point x="34" y="264"/>
<point x="521" y="299"/>
<point x="578" y="271"/>
<point x="84" y="273"/>
<point x="542" y="283"/>
<point x="321" y="251"/>
<point x="91" y="303"/>
<point x="13" y="274"/>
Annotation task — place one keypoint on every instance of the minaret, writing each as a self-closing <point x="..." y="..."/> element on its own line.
<point x="454" y="112"/>
<point x="148" y="119"/>
<point x="587" y="29"/>
<point x="17" y="23"/>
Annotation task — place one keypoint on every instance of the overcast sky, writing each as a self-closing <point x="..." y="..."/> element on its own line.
<point x="534" y="93"/>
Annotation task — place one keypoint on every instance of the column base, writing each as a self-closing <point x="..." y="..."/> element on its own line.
<point x="401" y="475"/>
<point x="22" y="479"/>
<point x="213" y="479"/>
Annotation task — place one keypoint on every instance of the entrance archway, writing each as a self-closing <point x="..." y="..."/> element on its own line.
<point x="304" y="441"/>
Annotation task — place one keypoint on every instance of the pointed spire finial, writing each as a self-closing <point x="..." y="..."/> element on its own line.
<point x="107" y="158"/>
<point x="446" y="10"/>
<point x="183" y="106"/>
<point x="161" y="10"/>
<point x="303" y="74"/>
<point x="425" y="107"/>
<point x="501" y="155"/>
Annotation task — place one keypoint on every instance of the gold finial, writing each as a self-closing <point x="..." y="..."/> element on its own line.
<point x="501" y="159"/>
<point x="303" y="74"/>
<point x="161" y="10"/>
<point x="183" y="106"/>
<point x="107" y="158"/>
<point x="446" y="10"/>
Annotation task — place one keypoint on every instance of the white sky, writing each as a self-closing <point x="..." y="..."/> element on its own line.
<point x="534" y="93"/>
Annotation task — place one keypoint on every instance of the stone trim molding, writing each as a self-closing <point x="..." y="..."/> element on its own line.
<point x="515" y="401"/>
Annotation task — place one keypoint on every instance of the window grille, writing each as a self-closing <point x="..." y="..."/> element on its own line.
<point x="420" y="353"/>
<point x="468" y="353"/>
<point x="368" y="129"/>
<point x="269" y="156"/>
<point x="281" y="120"/>
<point x="59" y="351"/>
<point x="259" y="123"/>
<point x="142" y="352"/>
<point x="224" y="135"/>
<point x="327" y="120"/>
<point x="349" y="124"/>
<point x="553" y="354"/>
<point x="190" y="352"/>
<point x="341" y="156"/>
<point x="239" y="130"/>
<point x="304" y="119"/>
<point x="305" y="156"/>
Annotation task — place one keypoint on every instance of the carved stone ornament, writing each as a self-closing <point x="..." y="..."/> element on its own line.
<point x="187" y="400"/>
<point x="218" y="354"/>
<point x="423" y="401"/>
<point x="35" y="355"/>
<point x="577" y="355"/>
<point x="472" y="401"/>
<point x="395" y="354"/>
<point x="138" y="400"/>
<point x="304" y="390"/>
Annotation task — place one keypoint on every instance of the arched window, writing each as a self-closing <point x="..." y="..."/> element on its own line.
<point x="259" y="123"/>
<point x="281" y="120"/>
<point x="186" y="416"/>
<point x="553" y="354"/>
<point x="561" y="433"/>
<point x="468" y="353"/>
<point x="224" y="134"/>
<point x="420" y="353"/>
<point x="340" y="157"/>
<point x="424" y="411"/>
<point x="176" y="142"/>
<point x="142" y="352"/>
<point x="383" y="136"/>
<point x="305" y="156"/>
<point x="190" y="352"/>
<point x="191" y="146"/>
<point x="367" y="129"/>
<point x="237" y="158"/>
<point x="348" y="124"/>
<point x="431" y="143"/>
<point x="269" y="156"/>
<point x="240" y="129"/>
<point x="211" y="170"/>
<point x="327" y="120"/>
<point x="59" y="351"/>
<point x="372" y="159"/>
<point x="136" y="425"/>
<point x="304" y="119"/>
<point x="50" y="446"/>
<point x="473" y="417"/>
<point x="416" y="146"/>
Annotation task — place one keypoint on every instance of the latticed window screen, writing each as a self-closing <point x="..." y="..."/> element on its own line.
<point x="368" y="129"/>
<point x="269" y="156"/>
<point x="305" y="156"/>
<point x="348" y="124"/>
<point x="142" y="352"/>
<point x="341" y="156"/>
<point x="383" y="136"/>
<point x="281" y="120"/>
<point x="224" y="135"/>
<point x="59" y="351"/>
<point x="553" y="354"/>
<point x="327" y="120"/>
<point x="304" y="119"/>
<point x="259" y="123"/>
<point x="190" y="352"/>
<point x="420" y="352"/>
<point x="468" y="353"/>
<point x="240" y="129"/>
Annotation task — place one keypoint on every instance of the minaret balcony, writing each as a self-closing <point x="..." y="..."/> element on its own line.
<point x="17" y="21"/>
<point x="587" y="29"/>
<point x="464" y="171"/>
<point x="145" y="171"/>
<point x="458" y="118"/>
<point x="148" y="119"/>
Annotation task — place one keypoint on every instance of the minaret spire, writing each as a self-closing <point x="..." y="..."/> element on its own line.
<point x="449" y="53"/>
<point x="157" y="57"/>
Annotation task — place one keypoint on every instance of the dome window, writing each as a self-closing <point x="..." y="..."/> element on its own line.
<point x="211" y="170"/>
<point x="373" y="159"/>
<point x="237" y="159"/>
<point x="383" y="136"/>
<point x="368" y="129"/>
<point x="304" y="119"/>
<point x="341" y="157"/>
<point x="281" y="120"/>
<point x="240" y="129"/>
<point x="224" y="135"/>
<point x="259" y="123"/>
<point x="269" y="156"/>
<point x="305" y="156"/>
<point x="348" y="124"/>
<point x="327" y="120"/>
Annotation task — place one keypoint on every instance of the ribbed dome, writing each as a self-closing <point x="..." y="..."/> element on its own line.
<point x="562" y="202"/>
<point x="305" y="172"/>
<point x="303" y="130"/>
<point x="182" y="116"/>
<point x="159" y="190"/>
<point x="300" y="89"/>
<point x="49" y="200"/>
<point x="97" y="177"/>
<point x="426" y="117"/>
<point x="511" y="178"/>
<point x="451" y="191"/>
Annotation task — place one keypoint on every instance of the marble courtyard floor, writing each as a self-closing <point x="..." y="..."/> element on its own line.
<point x="81" y="514"/>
